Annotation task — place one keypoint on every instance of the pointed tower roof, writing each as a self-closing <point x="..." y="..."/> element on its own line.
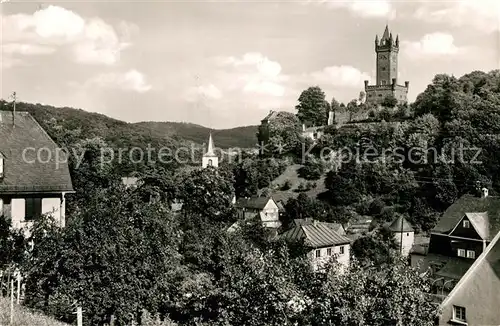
<point x="210" y="149"/>
<point x="386" y="33"/>
<point x="400" y="224"/>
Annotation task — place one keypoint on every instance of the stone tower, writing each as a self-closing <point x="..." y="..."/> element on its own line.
<point x="210" y="158"/>
<point x="403" y="234"/>
<point x="387" y="49"/>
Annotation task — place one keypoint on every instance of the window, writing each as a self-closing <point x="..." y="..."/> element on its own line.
<point x="383" y="68"/>
<point x="318" y="253"/>
<point x="461" y="252"/>
<point x="32" y="208"/>
<point x="466" y="224"/>
<point x="329" y="251"/>
<point x="209" y="162"/>
<point x="383" y="82"/>
<point x="459" y="313"/>
<point x="408" y="234"/>
<point x="342" y="250"/>
<point x="471" y="254"/>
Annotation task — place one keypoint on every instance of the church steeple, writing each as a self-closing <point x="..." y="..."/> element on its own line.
<point x="210" y="149"/>
<point x="210" y="158"/>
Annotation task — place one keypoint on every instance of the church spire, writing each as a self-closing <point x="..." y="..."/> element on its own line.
<point x="210" y="149"/>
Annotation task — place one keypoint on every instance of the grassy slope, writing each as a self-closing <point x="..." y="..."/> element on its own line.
<point x="24" y="317"/>
<point x="243" y="137"/>
<point x="291" y="175"/>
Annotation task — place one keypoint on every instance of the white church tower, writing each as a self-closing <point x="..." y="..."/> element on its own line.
<point x="210" y="158"/>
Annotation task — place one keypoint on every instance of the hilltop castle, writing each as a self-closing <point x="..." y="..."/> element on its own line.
<point x="387" y="50"/>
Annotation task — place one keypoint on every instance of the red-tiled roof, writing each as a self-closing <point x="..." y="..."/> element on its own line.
<point x="490" y="224"/>
<point x="30" y="174"/>
<point x="315" y="235"/>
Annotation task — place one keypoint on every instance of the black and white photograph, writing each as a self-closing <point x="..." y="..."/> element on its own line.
<point x="250" y="163"/>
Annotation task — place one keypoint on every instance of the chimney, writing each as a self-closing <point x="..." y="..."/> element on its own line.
<point x="394" y="81"/>
<point x="303" y="127"/>
<point x="315" y="222"/>
<point x="407" y="84"/>
<point x="484" y="192"/>
<point x="366" y="84"/>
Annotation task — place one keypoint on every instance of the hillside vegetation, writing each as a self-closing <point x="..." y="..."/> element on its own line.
<point x="125" y="134"/>
<point x="242" y="137"/>
<point x="23" y="316"/>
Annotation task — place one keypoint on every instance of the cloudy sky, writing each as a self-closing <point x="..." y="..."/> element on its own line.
<point x="227" y="63"/>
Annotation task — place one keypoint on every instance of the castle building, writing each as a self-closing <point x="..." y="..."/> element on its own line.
<point x="387" y="49"/>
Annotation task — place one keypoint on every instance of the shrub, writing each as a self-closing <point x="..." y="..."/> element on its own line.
<point x="286" y="186"/>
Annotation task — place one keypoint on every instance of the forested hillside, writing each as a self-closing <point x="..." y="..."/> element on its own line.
<point x="241" y="137"/>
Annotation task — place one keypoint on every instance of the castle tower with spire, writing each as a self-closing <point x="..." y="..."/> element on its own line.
<point x="210" y="158"/>
<point x="387" y="49"/>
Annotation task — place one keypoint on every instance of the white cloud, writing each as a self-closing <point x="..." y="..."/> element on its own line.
<point x="132" y="80"/>
<point x="209" y="91"/>
<point x="435" y="44"/>
<point x="253" y="73"/>
<point x="26" y="49"/>
<point x="362" y="8"/>
<point x="339" y="76"/>
<point x="483" y="15"/>
<point x="91" y="41"/>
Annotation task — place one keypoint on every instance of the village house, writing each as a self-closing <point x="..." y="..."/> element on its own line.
<point x="476" y="297"/>
<point x="466" y="230"/>
<point x="264" y="209"/>
<point x="324" y="242"/>
<point x="404" y="235"/>
<point x="34" y="174"/>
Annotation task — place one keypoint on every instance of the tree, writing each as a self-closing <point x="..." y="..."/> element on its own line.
<point x="335" y="108"/>
<point x="208" y="193"/>
<point x="116" y="258"/>
<point x="376" y="248"/>
<point x="312" y="106"/>
<point x="389" y="101"/>
<point x="280" y="135"/>
<point x="393" y="295"/>
<point x="352" y="108"/>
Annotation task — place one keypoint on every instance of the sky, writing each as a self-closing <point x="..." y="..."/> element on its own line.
<point x="224" y="64"/>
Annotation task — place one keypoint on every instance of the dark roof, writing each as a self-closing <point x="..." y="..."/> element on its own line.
<point x="315" y="235"/>
<point x="489" y="224"/>
<point x="400" y="224"/>
<point x="272" y="114"/>
<point x="28" y="174"/>
<point x="455" y="268"/>
<point x="253" y="202"/>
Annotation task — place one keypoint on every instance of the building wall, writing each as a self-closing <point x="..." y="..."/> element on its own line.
<point x="206" y="161"/>
<point x="479" y="295"/>
<point x="448" y="246"/>
<point x="319" y="262"/>
<point x="14" y="208"/>
<point x="408" y="240"/>
<point x="375" y="95"/>
<point x="270" y="215"/>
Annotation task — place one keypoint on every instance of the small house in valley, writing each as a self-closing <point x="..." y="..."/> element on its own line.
<point x="324" y="242"/>
<point x="264" y="209"/>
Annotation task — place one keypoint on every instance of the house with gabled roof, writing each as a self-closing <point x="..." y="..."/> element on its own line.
<point x="461" y="235"/>
<point x="34" y="175"/>
<point x="476" y="297"/>
<point x="404" y="234"/>
<point x="263" y="208"/>
<point x="323" y="241"/>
